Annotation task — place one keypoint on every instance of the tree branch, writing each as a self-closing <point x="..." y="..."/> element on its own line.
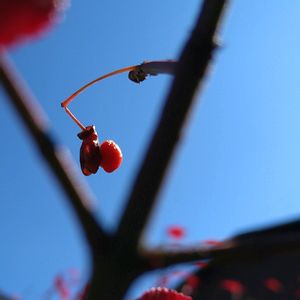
<point x="57" y="159"/>
<point x="190" y="72"/>
<point x="161" y="258"/>
<point x="255" y="247"/>
<point x="112" y="275"/>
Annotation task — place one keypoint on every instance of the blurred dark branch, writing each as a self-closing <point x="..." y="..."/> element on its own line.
<point x="58" y="159"/>
<point x="113" y="274"/>
<point x="254" y="247"/>
<point x="114" y="268"/>
<point x="259" y="247"/>
<point x="161" y="258"/>
<point x="190" y="71"/>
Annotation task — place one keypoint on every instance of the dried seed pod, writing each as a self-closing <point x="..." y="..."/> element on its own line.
<point x="137" y="75"/>
<point x="90" y="155"/>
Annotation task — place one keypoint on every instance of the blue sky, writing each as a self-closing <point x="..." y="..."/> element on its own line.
<point x="237" y="167"/>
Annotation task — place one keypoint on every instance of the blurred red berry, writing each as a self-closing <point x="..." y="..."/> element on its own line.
<point x="193" y="281"/>
<point x="21" y="19"/>
<point x="90" y="155"/>
<point x="232" y="286"/>
<point x="273" y="284"/>
<point x="111" y="156"/>
<point x="82" y="294"/>
<point x="61" y="287"/>
<point x="163" y="294"/>
<point x="201" y="264"/>
<point x="212" y="243"/>
<point x="176" y="232"/>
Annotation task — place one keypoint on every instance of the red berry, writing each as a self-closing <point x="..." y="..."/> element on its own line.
<point x="232" y="286"/>
<point x="20" y="19"/>
<point x="273" y="284"/>
<point x="163" y="294"/>
<point x="61" y="287"/>
<point x="111" y="156"/>
<point x="90" y="156"/>
<point x="176" y="232"/>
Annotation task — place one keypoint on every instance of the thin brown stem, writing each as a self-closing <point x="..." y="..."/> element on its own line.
<point x="66" y="102"/>
<point x="146" y="68"/>
<point x="74" y="118"/>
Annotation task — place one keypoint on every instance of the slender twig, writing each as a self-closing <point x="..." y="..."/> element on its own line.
<point x="191" y="69"/>
<point x="112" y="275"/>
<point x="158" y="259"/>
<point x="137" y="73"/>
<point x="57" y="159"/>
<point x="230" y="250"/>
<point x="140" y="72"/>
<point x="257" y="248"/>
<point x="66" y="102"/>
<point x="158" y="67"/>
<point x="114" y="271"/>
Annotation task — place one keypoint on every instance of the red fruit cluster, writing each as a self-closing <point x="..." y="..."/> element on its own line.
<point x="20" y="19"/>
<point x="108" y="155"/>
<point x="163" y="294"/>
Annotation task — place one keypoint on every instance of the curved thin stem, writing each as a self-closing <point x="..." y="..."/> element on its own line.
<point x="140" y="73"/>
<point x="65" y="103"/>
<point x="55" y="156"/>
<point x="74" y="119"/>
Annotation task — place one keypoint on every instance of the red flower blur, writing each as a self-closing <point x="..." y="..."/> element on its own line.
<point x="61" y="288"/>
<point x="20" y="19"/>
<point x="232" y="286"/>
<point x="176" y="232"/>
<point x="273" y="284"/>
<point x="163" y="294"/>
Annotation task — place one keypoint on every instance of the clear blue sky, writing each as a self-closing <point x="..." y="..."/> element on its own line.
<point x="237" y="168"/>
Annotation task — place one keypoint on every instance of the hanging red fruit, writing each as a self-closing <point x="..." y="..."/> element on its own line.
<point x="90" y="155"/>
<point x="111" y="156"/>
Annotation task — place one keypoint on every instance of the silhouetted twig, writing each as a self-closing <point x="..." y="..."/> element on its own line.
<point x="116" y="260"/>
<point x="191" y="69"/>
<point x="56" y="157"/>
<point x="233" y="249"/>
<point x="113" y="274"/>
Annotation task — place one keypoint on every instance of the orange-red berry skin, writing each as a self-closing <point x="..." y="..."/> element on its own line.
<point x="111" y="156"/>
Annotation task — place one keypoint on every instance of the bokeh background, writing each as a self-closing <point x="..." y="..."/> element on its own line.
<point x="237" y="167"/>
